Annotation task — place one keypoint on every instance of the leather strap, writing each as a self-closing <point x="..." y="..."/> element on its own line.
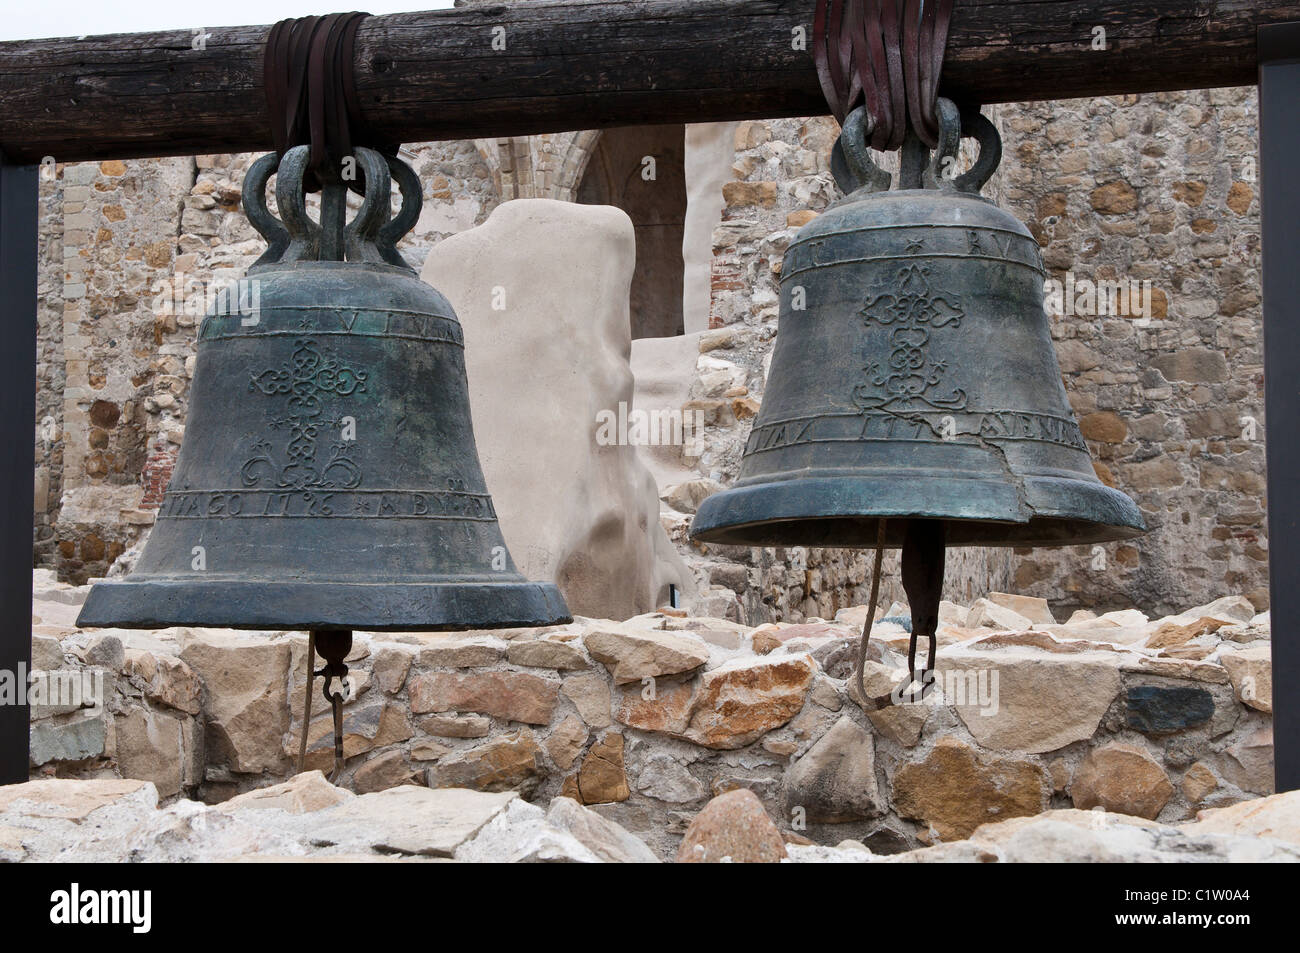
<point x="886" y="54"/>
<point x="308" y="70"/>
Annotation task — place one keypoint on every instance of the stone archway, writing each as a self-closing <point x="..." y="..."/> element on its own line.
<point x="641" y="169"/>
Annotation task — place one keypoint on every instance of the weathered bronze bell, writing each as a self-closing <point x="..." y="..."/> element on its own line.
<point x="328" y="477"/>
<point x="914" y="375"/>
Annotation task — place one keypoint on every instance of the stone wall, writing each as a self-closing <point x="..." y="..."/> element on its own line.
<point x="645" y="720"/>
<point x="1155" y="188"/>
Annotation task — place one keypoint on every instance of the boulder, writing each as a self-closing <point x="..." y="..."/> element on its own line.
<point x="301" y="794"/>
<point x="742" y="700"/>
<point x="541" y="290"/>
<point x="513" y="696"/>
<point x="246" y="709"/>
<point x="1251" y="671"/>
<point x="607" y="840"/>
<point x="835" y="781"/>
<point x="1122" y="779"/>
<point x="955" y="789"/>
<point x="632" y="656"/>
<point x="509" y="763"/>
<point x="735" y="828"/>
<point x="602" y="778"/>
<point x="1028" y="607"/>
<point x="1040" y="702"/>
<point x="1277" y="817"/>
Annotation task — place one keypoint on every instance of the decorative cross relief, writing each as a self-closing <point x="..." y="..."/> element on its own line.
<point x="909" y="380"/>
<point x="305" y="377"/>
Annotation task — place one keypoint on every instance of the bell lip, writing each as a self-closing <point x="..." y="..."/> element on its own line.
<point x="299" y="606"/>
<point x="842" y="512"/>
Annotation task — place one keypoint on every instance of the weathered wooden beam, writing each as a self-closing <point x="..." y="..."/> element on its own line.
<point x="584" y="65"/>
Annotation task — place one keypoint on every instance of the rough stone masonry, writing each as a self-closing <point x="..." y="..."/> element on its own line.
<point x="645" y="720"/>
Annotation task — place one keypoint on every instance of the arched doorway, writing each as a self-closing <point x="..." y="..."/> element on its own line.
<point x="641" y="169"/>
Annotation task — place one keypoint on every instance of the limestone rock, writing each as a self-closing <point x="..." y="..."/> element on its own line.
<point x="1251" y="671"/>
<point x="1248" y="763"/>
<point x="1122" y="779"/>
<point x="428" y="750"/>
<point x="665" y="709"/>
<point x="687" y="497"/>
<point x="955" y="789"/>
<point x="835" y="781"/>
<point x="988" y="614"/>
<point x="602" y="779"/>
<point x="744" y="699"/>
<point x="246" y="709"/>
<point x="666" y="779"/>
<point x="151" y="746"/>
<point x="456" y="651"/>
<point x="1174" y="633"/>
<point x="385" y="771"/>
<point x="1028" y="607"/>
<point x="1073" y="836"/>
<point x="732" y="827"/>
<point x="545" y="653"/>
<point x="607" y="840"/>
<point x="105" y="651"/>
<point x="167" y="680"/>
<point x="564" y="270"/>
<point x="512" y="762"/>
<point x="632" y="656"/>
<point x="409" y="820"/>
<point x="1276" y="816"/>
<point x="1230" y="608"/>
<point x="901" y="724"/>
<point x="73" y="800"/>
<point x="377" y="724"/>
<point x="302" y="794"/>
<point x="566" y="742"/>
<point x="1199" y="782"/>
<point x="47" y="654"/>
<point x="1042" y="702"/>
<point x="522" y="834"/>
<point x="513" y="696"/>
<point x="591" y="696"/>
<point x="456" y="726"/>
<point x="390" y="667"/>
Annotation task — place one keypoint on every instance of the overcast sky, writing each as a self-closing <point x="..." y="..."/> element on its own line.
<point x="35" y="19"/>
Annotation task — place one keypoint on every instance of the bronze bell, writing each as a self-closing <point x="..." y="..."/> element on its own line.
<point x="914" y="399"/>
<point x="914" y="374"/>
<point x="328" y="477"/>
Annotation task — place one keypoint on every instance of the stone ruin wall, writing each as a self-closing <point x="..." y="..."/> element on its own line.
<point x="1156" y="187"/>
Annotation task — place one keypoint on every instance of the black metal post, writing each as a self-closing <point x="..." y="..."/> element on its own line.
<point x="18" y="243"/>
<point x="1279" y="202"/>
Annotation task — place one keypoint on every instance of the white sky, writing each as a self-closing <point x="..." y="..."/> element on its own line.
<point x="37" y="19"/>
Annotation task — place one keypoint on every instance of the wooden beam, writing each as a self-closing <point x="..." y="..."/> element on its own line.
<point x="585" y="65"/>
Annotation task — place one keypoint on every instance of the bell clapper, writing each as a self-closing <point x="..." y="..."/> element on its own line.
<point x="922" y="570"/>
<point x="334" y="645"/>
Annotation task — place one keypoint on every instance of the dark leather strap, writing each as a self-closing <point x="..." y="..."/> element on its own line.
<point x="311" y="94"/>
<point x="886" y="54"/>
